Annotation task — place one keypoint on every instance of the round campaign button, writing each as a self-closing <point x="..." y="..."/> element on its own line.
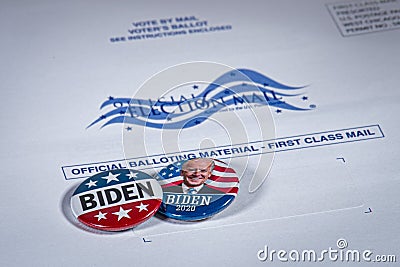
<point x="116" y="200"/>
<point x="196" y="189"/>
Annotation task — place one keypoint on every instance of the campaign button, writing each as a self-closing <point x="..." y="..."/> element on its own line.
<point x="116" y="200"/>
<point x="196" y="189"/>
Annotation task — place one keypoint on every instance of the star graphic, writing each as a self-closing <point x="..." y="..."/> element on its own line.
<point x="304" y="98"/>
<point x="169" y="119"/>
<point x="195" y="87"/>
<point x="178" y="164"/>
<point x="111" y="98"/>
<point x="226" y="91"/>
<point x="142" y="207"/>
<point x="122" y="213"/>
<point x="128" y="128"/>
<point x="100" y="216"/>
<point x="132" y="175"/>
<point x="122" y="112"/>
<point x="177" y="170"/>
<point x="266" y="84"/>
<point x="91" y="183"/>
<point x="278" y="111"/>
<point x="111" y="177"/>
<point x="103" y="117"/>
<point x="233" y="74"/>
<point x="170" y="175"/>
<point x="164" y="173"/>
<point x="171" y="168"/>
<point x="197" y="122"/>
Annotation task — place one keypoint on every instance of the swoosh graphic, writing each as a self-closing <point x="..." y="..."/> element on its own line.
<point x="216" y="96"/>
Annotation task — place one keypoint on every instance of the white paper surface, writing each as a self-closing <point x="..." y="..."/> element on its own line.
<point x="61" y="60"/>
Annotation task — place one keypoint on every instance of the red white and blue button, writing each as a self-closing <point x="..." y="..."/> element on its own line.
<point x="196" y="189"/>
<point x="116" y="200"/>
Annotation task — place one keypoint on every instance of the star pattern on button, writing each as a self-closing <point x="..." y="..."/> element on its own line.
<point x="170" y="171"/>
<point x="111" y="177"/>
<point x="91" y="183"/>
<point x="122" y="213"/>
<point x="142" y="207"/>
<point x="100" y="216"/>
<point x="132" y="175"/>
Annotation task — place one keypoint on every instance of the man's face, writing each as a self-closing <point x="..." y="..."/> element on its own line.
<point x="196" y="172"/>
